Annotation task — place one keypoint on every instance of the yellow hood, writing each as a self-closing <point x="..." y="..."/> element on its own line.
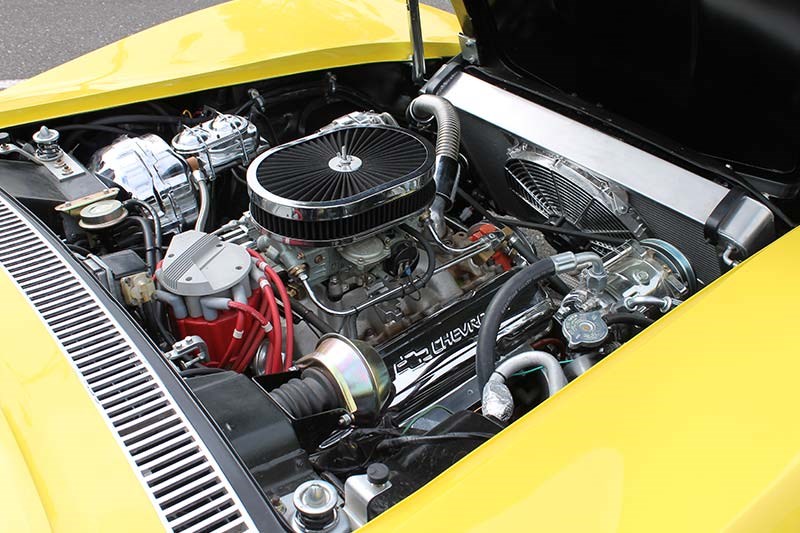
<point x="228" y="44"/>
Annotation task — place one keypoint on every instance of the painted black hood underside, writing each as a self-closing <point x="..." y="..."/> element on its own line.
<point x="720" y="76"/>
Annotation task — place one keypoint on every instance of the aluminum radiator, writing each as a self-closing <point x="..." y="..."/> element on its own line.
<point x="562" y="168"/>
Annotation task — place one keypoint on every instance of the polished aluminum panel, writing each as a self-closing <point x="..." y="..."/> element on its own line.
<point x="749" y="226"/>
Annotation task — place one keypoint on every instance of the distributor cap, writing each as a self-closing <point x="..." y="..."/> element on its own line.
<point x="199" y="264"/>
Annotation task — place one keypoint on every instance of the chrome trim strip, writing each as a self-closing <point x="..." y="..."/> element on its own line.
<point x="139" y="410"/>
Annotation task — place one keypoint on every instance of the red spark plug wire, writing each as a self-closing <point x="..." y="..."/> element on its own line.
<point x="275" y="280"/>
<point x="287" y="315"/>
<point x="236" y="339"/>
<point x="250" y="311"/>
<point x="255" y="338"/>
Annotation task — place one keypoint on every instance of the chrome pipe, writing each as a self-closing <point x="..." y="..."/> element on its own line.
<point x="430" y="226"/>
<point x="417" y="43"/>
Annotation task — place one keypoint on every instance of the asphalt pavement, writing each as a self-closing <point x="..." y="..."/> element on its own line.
<point x="36" y="35"/>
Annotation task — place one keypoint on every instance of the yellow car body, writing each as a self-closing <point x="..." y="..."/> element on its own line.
<point x="686" y="428"/>
<point x="232" y="43"/>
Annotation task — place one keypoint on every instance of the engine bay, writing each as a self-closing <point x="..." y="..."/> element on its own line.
<point x="360" y="283"/>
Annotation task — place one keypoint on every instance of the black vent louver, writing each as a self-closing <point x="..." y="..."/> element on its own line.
<point x="342" y="184"/>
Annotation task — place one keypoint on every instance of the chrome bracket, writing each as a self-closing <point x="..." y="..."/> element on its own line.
<point x="188" y="352"/>
<point x="469" y="49"/>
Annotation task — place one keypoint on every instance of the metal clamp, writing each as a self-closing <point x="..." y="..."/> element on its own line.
<point x="188" y="352"/>
<point x="664" y="304"/>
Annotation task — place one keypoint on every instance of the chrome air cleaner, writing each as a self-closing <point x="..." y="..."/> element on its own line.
<point x="341" y="185"/>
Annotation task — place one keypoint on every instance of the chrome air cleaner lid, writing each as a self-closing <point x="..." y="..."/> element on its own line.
<point x="342" y="184"/>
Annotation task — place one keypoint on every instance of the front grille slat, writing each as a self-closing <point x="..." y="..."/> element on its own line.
<point x="194" y="513"/>
<point x="134" y="408"/>
<point x="155" y="435"/>
<point x="184" y="488"/>
<point x="212" y="522"/>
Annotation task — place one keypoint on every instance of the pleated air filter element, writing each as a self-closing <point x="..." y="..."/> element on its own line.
<point x="341" y="185"/>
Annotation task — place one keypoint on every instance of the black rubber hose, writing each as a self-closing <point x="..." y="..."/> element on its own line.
<point x="148" y="119"/>
<point x="311" y="394"/>
<point x="93" y="127"/>
<point x="544" y="228"/>
<point x="406" y="440"/>
<point x="306" y="314"/>
<point x="555" y="282"/>
<point x="547" y="228"/>
<point x="148" y="210"/>
<point x="285" y="95"/>
<point x="161" y="324"/>
<point x="79" y="249"/>
<point x="490" y="326"/>
<point x="628" y="319"/>
<point x="149" y="243"/>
